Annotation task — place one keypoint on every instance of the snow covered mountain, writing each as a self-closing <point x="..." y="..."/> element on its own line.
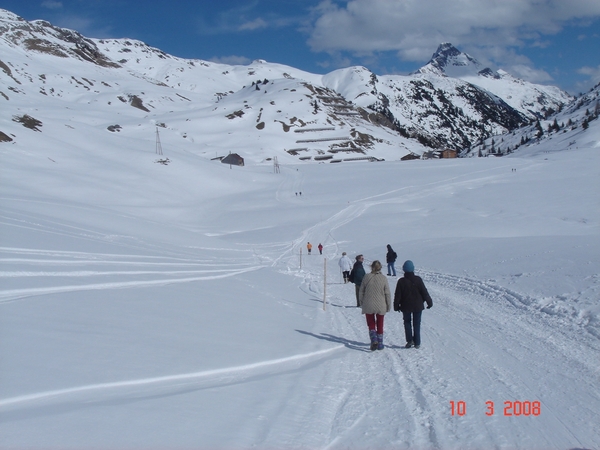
<point x="267" y="109"/>
<point x="562" y="128"/>
<point x="437" y="111"/>
<point x="533" y="100"/>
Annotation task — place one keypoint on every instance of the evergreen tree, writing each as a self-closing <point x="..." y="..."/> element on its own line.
<point x="585" y="124"/>
<point x="540" y="131"/>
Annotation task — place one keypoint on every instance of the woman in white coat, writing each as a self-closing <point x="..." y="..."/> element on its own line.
<point x="375" y="299"/>
<point x="346" y="266"/>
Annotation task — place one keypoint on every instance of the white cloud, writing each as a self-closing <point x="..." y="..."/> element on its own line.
<point x="51" y="4"/>
<point x="252" y="25"/>
<point x="592" y="72"/>
<point x="231" y="60"/>
<point x="412" y="28"/>
<point x="243" y="18"/>
<point x="528" y="73"/>
<point x="84" y="25"/>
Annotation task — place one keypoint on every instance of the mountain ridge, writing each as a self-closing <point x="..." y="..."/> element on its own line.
<point x="395" y="115"/>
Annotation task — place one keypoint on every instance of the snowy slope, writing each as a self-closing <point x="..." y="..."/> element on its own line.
<point x="169" y="306"/>
<point x="131" y="89"/>
<point x="437" y="111"/>
<point x="570" y="128"/>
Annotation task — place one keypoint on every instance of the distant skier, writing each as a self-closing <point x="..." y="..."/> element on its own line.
<point x="390" y="257"/>
<point x="345" y="264"/>
<point x="409" y="297"/>
<point x="309" y="247"/>
<point x="320" y="247"/>
<point x="375" y="299"/>
<point x="357" y="274"/>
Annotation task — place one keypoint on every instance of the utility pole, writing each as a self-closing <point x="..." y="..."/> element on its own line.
<point x="324" y="283"/>
<point x="158" y="144"/>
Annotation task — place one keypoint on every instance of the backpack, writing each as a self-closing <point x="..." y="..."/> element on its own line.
<point x="351" y="276"/>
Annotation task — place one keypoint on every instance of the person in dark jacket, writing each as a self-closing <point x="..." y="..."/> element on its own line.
<point x="390" y="258"/>
<point x="356" y="275"/>
<point x="409" y="297"/>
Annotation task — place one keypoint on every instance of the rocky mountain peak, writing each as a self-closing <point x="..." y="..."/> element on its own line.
<point x="449" y="61"/>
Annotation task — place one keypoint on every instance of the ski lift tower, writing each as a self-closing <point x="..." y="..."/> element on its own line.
<point x="158" y="144"/>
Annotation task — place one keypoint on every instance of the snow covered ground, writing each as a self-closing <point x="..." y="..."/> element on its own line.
<point x="167" y="306"/>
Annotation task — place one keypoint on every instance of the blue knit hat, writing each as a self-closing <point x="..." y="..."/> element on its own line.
<point x="408" y="266"/>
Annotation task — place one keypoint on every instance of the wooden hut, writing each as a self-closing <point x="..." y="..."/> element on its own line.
<point x="409" y="157"/>
<point x="233" y="159"/>
<point x="448" y="153"/>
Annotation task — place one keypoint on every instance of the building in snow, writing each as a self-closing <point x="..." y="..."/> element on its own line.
<point x="233" y="159"/>
<point x="409" y="157"/>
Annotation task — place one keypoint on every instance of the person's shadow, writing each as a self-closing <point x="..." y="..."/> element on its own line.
<point x="354" y="345"/>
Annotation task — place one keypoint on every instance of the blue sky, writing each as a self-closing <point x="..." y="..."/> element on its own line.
<point x="543" y="41"/>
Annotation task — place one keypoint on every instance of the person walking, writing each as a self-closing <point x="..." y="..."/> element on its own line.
<point x="320" y="247"/>
<point x="409" y="297"/>
<point x="375" y="300"/>
<point x="356" y="275"/>
<point x="309" y="247"/>
<point x="345" y="264"/>
<point x="390" y="258"/>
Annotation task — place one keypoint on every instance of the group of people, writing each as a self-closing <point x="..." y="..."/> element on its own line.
<point x="374" y="297"/>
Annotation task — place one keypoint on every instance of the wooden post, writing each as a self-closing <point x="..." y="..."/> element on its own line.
<point x="325" y="284"/>
<point x="300" y="258"/>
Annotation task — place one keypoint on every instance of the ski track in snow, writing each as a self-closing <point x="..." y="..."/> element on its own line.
<point x="167" y="270"/>
<point x="216" y="377"/>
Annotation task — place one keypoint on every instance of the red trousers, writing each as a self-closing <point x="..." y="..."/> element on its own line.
<point x="375" y="321"/>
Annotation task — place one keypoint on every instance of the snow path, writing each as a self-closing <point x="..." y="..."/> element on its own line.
<point x="477" y="347"/>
